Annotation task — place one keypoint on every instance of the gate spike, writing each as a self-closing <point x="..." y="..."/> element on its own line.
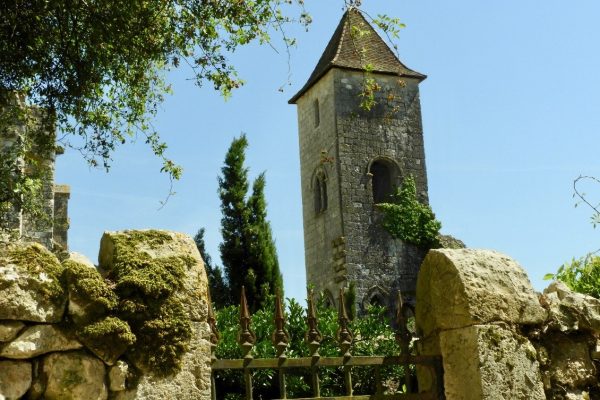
<point x="402" y="333"/>
<point x="313" y="335"/>
<point x="280" y="337"/>
<point x="399" y="309"/>
<point x="214" y="332"/>
<point x="344" y="333"/>
<point x="246" y="337"/>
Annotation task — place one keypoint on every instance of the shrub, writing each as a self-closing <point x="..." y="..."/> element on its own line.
<point x="407" y="219"/>
<point x="372" y="336"/>
<point x="580" y="275"/>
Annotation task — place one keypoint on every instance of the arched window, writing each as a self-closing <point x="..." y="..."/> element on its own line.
<point x="383" y="176"/>
<point x="377" y="301"/>
<point x="376" y="296"/>
<point x="328" y="299"/>
<point x="320" y="192"/>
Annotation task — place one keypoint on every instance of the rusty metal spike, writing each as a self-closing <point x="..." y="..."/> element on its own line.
<point x="313" y="335"/>
<point x="400" y="310"/>
<point x="344" y="334"/>
<point x="280" y="337"/>
<point x="212" y="323"/>
<point x="402" y="333"/>
<point x="246" y="337"/>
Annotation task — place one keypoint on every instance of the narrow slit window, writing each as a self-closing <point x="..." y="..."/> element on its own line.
<point x="320" y="194"/>
<point x="317" y="112"/>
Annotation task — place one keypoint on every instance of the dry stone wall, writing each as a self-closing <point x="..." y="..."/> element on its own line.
<point x="499" y="339"/>
<point x="46" y="321"/>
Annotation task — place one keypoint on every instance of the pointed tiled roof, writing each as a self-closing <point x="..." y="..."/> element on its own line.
<point x="354" y="45"/>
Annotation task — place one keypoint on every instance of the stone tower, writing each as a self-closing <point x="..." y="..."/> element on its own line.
<point x="352" y="159"/>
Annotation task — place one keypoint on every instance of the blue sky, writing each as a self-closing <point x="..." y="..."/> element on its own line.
<point x="511" y="115"/>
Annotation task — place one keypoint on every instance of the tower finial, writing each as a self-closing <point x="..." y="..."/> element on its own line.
<point x="353" y="4"/>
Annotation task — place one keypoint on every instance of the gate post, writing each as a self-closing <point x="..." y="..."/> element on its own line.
<point x="468" y="305"/>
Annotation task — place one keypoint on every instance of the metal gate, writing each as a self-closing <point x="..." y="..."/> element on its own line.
<point x="316" y="363"/>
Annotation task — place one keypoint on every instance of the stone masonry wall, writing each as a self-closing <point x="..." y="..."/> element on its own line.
<point x="46" y="350"/>
<point x="318" y="153"/>
<point x="498" y="338"/>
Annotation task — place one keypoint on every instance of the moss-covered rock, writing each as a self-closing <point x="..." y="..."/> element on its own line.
<point x="108" y="338"/>
<point x="163" y="337"/>
<point x="31" y="283"/>
<point x="161" y="285"/>
<point x="90" y="295"/>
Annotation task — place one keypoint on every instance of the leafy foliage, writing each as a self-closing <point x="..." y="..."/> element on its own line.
<point x="99" y="65"/>
<point x="218" y="287"/>
<point x="373" y="336"/>
<point x="408" y="219"/>
<point x="248" y="250"/>
<point x="581" y="275"/>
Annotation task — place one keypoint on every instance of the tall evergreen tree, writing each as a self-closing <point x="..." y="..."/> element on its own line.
<point x="263" y="254"/>
<point x="248" y="251"/>
<point x="233" y="186"/>
<point x="219" y="290"/>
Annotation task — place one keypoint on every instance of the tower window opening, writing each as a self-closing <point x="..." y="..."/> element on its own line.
<point x="317" y="112"/>
<point x="381" y="181"/>
<point x="377" y="301"/>
<point x="320" y="193"/>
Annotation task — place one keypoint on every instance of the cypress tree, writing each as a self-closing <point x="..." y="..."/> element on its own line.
<point x="248" y="250"/>
<point x="263" y="254"/>
<point x="233" y="186"/>
<point x="219" y="290"/>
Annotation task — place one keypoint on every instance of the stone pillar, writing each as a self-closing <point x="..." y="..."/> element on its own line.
<point x="62" y="193"/>
<point x="471" y="306"/>
<point x="192" y="382"/>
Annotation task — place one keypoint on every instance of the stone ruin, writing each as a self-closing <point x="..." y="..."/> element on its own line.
<point x="53" y="233"/>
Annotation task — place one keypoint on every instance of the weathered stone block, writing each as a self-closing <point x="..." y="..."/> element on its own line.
<point x="37" y="340"/>
<point x="462" y="287"/>
<point x="117" y="376"/>
<point x="74" y="376"/>
<point x="15" y="379"/>
<point x="489" y="362"/>
<point x="30" y="284"/>
<point x="570" y="311"/>
<point x="569" y="364"/>
<point x="9" y="330"/>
